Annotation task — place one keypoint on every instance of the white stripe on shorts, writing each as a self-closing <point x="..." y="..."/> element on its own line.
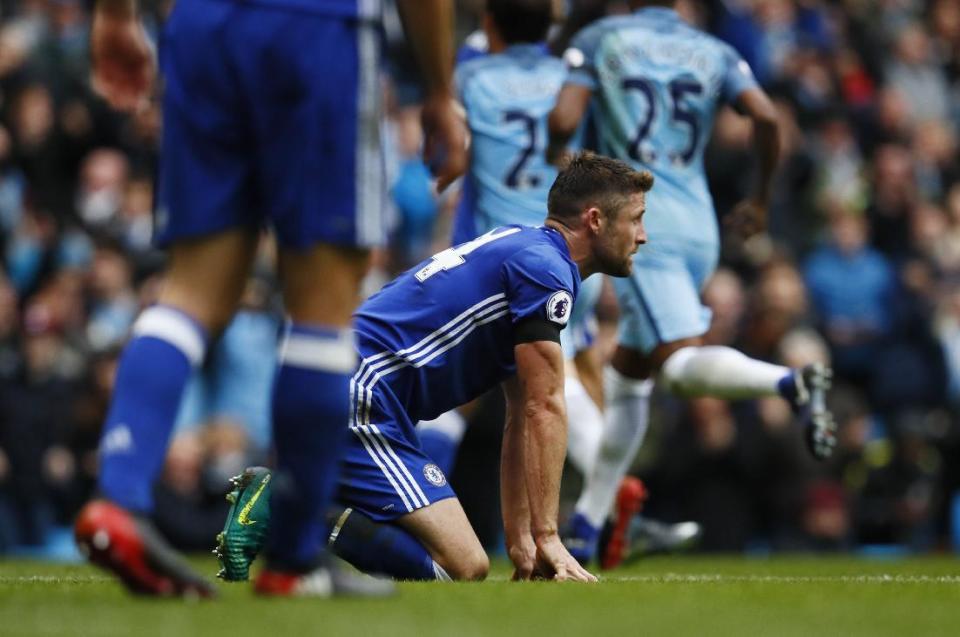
<point x="369" y="177"/>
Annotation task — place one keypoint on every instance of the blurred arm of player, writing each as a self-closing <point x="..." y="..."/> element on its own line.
<point x="542" y="437"/>
<point x="122" y="57"/>
<point x="429" y="27"/>
<point x="572" y="103"/>
<point x="750" y="215"/>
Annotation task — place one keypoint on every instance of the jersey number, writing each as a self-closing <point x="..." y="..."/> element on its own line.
<point x="452" y="257"/>
<point x="515" y="178"/>
<point x="679" y="113"/>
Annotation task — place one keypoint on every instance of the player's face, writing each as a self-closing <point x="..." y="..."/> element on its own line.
<point x="622" y="236"/>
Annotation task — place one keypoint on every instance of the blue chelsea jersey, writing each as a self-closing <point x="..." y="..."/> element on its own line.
<point x="507" y="97"/>
<point x="657" y="83"/>
<point x="442" y="333"/>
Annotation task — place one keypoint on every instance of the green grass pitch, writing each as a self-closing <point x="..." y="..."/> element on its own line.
<point x="662" y="596"/>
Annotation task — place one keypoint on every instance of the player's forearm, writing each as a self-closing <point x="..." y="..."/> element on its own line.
<point x="562" y="124"/>
<point x="513" y="489"/>
<point x="546" y="446"/>
<point x="766" y="140"/>
<point x="565" y="117"/>
<point x="429" y="28"/>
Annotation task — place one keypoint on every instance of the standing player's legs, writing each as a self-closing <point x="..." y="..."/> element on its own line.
<point x="314" y="99"/>
<point x="311" y="399"/>
<point x="201" y="290"/>
<point x="205" y="214"/>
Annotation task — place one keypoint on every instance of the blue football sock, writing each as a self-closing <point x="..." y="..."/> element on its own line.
<point x="581" y="538"/>
<point x="787" y="388"/>
<point x="381" y="549"/>
<point x="153" y="371"/>
<point x="310" y="417"/>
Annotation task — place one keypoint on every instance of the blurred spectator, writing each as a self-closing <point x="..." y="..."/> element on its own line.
<point x="914" y="73"/>
<point x="852" y="288"/>
<point x="113" y="304"/>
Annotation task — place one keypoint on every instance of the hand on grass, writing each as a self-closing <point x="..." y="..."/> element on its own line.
<point x="554" y="561"/>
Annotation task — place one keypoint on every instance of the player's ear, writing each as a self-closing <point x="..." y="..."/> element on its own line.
<point x="593" y="219"/>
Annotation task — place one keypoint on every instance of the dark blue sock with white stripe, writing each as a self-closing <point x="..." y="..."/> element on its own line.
<point x="154" y="369"/>
<point x="381" y="549"/>
<point x="310" y="417"/>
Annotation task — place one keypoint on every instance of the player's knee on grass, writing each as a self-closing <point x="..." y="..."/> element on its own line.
<point x="443" y="529"/>
<point x="471" y="566"/>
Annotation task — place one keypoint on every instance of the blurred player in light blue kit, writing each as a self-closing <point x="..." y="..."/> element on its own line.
<point x="271" y="116"/>
<point x="508" y="94"/>
<point x="656" y="84"/>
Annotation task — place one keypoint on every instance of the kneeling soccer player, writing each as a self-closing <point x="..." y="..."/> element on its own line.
<point x="484" y="312"/>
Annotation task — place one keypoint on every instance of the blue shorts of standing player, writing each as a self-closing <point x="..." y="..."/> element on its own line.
<point x="271" y="115"/>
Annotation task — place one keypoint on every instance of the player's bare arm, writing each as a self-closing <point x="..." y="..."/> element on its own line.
<point x="513" y="487"/>
<point x="540" y="376"/>
<point x="565" y="118"/>
<point x="429" y="27"/>
<point x="750" y="216"/>
<point x="122" y="57"/>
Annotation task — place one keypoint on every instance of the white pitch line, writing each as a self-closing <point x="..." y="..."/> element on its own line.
<point x="695" y="578"/>
<point x="52" y="579"/>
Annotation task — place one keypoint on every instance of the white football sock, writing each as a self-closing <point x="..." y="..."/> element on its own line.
<point x="721" y="372"/>
<point x="627" y="417"/>
<point x="584" y="428"/>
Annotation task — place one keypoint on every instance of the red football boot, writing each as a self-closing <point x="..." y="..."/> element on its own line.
<point x="630" y="499"/>
<point x="116" y="540"/>
<point x="327" y="580"/>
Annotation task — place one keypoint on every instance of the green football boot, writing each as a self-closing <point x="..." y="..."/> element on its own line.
<point x="247" y="524"/>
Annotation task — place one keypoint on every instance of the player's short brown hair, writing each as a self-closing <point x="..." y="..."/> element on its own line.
<point x="520" y="21"/>
<point x="589" y="179"/>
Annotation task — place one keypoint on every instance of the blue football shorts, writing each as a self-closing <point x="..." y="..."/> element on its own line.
<point x="270" y="117"/>
<point x="385" y="472"/>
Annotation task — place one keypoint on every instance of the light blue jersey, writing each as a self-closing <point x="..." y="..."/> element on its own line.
<point x="657" y="83"/>
<point x="508" y="97"/>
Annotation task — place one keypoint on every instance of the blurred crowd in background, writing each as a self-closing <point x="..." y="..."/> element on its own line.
<point x="860" y="266"/>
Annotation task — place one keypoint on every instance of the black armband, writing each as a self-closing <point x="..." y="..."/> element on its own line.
<point x="536" y="328"/>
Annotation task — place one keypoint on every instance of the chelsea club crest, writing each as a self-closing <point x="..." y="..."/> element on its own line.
<point x="434" y="475"/>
